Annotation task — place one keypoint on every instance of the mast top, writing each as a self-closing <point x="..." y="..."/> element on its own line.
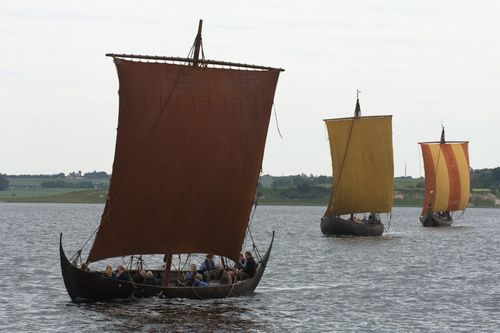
<point x="195" y="60"/>
<point x="357" y="111"/>
<point x="198" y="45"/>
<point x="442" y="135"/>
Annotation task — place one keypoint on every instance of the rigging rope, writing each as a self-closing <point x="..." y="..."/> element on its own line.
<point x="276" y="118"/>
<point x="343" y="161"/>
<point x="251" y="220"/>
<point x="79" y="252"/>
<point x="433" y="196"/>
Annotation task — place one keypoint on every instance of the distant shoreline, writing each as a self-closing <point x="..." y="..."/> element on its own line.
<point x="82" y="197"/>
<point x="299" y="190"/>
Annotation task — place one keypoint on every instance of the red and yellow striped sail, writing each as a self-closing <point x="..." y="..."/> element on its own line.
<point x="447" y="179"/>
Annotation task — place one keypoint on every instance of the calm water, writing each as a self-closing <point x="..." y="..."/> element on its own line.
<point x="414" y="279"/>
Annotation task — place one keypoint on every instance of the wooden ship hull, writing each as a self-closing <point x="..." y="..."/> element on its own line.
<point x="336" y="226"/>
<point x="431" y="220"/>
<point x="85" y="286"/>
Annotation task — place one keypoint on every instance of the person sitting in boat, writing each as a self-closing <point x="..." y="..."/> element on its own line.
<point x="109" y="272"/>
<point x="208" y="268"/>
<point x="249" y="268"/>
<point x="235" y="273"/>
<point x="198" y="281"/>
<point x="85" y="267"/>
<point x="240" y="263"/>
<point x="444" y="215"/>
<point x="226" y="276"/>
<point x="356" y="219"/>
<point x="190" y="275"/>
<point x="373" y="219"/>
<point x="122" y="274"/>
<point x="140" y="276"/>
<point x="149" y="279"/>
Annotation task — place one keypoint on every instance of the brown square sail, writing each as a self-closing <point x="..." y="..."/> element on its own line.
<point x="189" y="149"/>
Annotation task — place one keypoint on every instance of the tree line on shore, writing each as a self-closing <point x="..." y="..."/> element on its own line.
<point x="303" y="187"/>
<point x="76" y="179"/>
<point x="295" y="187"/>
<point x="4" y="182"/>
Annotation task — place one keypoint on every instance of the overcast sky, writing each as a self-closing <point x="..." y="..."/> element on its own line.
<point x="424" y="62"/>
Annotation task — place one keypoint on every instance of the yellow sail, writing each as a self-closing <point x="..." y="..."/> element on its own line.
<point x="447" y="180"/>
<point x="363" y="170"/>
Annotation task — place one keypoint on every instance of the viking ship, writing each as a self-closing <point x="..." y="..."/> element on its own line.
<point x="189" y="149"/>
<point x="361" y="151"/>
<point x="447" y="180"/>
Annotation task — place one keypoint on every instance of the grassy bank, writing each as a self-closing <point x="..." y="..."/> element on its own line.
<point x="402" y="198"/>
<point x="55" y="196"/>
<point x="300" y="190"/>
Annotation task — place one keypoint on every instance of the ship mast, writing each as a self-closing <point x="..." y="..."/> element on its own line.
<point x="197" y="45"/>
<point x="442" y="141"/>
<point x="357" y="111"/>
<point x="195" y="60"/>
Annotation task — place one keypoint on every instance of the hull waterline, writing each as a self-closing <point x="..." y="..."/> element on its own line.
<point x="336" y="226"/>
<point x="430" y="220"/>
<point x="93" y="286"/>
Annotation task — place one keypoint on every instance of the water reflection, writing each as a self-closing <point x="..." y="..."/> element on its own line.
<point x="154" y="314"/>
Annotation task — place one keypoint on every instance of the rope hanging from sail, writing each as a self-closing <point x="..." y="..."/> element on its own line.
<point x="254" y="247"/>
<point x="276" y="118"/>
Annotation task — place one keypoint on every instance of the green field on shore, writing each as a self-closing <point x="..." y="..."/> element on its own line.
<point x="55" y="195"/>
<point x="32" y="189"/>
<point x="297" y="190"/>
